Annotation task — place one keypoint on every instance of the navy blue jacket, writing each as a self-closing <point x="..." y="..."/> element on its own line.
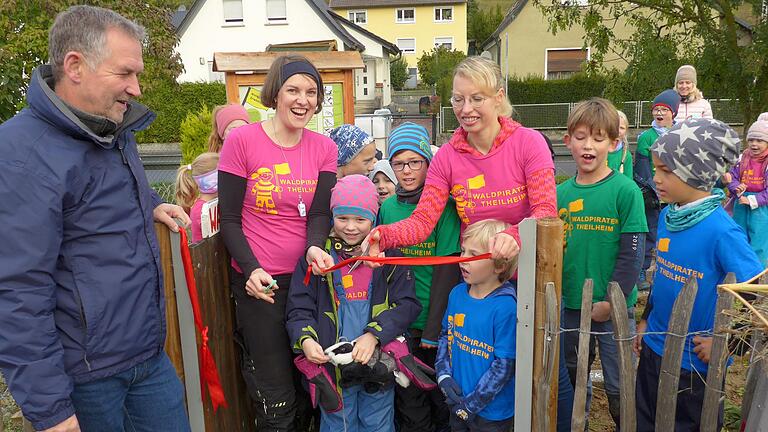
<point x="311" y="310"/>
<point x="81" y="294"/>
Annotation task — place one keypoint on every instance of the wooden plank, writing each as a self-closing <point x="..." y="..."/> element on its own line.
<point x="261" y="61"/>
<point x="627" y="374"/>
<point x="669" y="375"/>
<point x="211" y="263"/>
<point x="26" y="426"/>
<point x="578" y="420"/>
<point x="549" y="268"/>
<point x="551" y="341"/>
<point x="756" y="365"/>
<point x="172" y="338"/>
<point x="758" y="420"/>
<point x="526" y="297"/>
<point x="348" y="89"/>
<point x="718" y="359"/>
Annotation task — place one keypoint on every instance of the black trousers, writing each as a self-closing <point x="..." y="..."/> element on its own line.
<point x="479" y="424"/>
<point x="417" y="410"/>
<point x="690" y="396"/>
<point x="271" y="379"/>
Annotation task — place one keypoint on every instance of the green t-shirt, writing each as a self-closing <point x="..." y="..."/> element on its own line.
<point x="614" y="161"/>
<point x="595" y="216"/>
<point x="644" y="143"/>
<point x="444" y="240"/>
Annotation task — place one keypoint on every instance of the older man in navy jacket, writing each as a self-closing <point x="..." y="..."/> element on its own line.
<point x="82" y="313"/>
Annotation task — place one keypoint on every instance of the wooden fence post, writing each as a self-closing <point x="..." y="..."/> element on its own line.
<point x="627" y="372"/>
<point x="718" y="358"/>
<point x="669" y="375"/>
<point x="578" y="419"/>
<point x="756" y="367"/>
<point x="549" y="268"/>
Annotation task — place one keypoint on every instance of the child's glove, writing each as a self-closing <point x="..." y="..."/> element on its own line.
<point x="461" y="412"/>
<point x="340" y="353"/>
<point x="322" y="388"/>
<point x="452" y="391"/>
<point x="410" y="366"/>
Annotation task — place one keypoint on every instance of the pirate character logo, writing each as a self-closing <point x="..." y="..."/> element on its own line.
<point x="263" y="190"/>
<point x="565" y="215"/>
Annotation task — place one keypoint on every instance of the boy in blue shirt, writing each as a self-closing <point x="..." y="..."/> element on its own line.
<point x="476" y="352"/>
<point x="696" y="237"/>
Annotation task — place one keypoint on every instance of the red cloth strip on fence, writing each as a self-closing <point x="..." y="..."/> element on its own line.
<point x="209" y="373"/>
<point x="410" y="261"/>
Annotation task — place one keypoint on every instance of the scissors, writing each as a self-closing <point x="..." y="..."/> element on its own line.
<point x="366" y="248"/>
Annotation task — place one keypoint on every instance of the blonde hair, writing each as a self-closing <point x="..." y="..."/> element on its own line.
<point x="187" y="190"/>
<point x="485" y="74"/>
<point x="214" y="140"/>
<point x="596" y="114"/>
<point x="481" y="232"/>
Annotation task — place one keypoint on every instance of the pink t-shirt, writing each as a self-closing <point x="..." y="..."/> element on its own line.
<point x="196" y="214"/>
<point x="491" y="186"/>
<point x="753" y="176"/>
<point x="277" y="180"/>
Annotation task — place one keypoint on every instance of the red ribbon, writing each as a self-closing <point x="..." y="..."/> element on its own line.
<point x="209" y="374"/>
<point x="409" y="261"/>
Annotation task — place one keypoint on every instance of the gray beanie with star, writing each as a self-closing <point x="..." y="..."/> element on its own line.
<point x="699" y="151"/>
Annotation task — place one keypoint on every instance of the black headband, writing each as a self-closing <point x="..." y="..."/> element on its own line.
<point x="299" y="67"/>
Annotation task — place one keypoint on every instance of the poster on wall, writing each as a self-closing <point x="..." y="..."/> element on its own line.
<point x="331" y="116"/>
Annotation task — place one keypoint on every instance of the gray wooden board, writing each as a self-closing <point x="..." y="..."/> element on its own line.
<point x="626" y="360"/>
<point x="669" y="375"/>
<point x="526" y="298"/>
<point x="188" y="340"/>
<point x="579" y="417"/>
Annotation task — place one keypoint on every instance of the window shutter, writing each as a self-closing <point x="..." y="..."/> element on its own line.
<point x="233" y="10"/>
<point x="276" y="9"/>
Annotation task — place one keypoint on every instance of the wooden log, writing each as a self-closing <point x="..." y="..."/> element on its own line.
<point x="578" y="420"/>
<point x="756" y="365"/>
<point x="551" y="340"/>
<point x="718" y="359"/>
<point x="627" y="374"/>
<point x="26" y="426"/>
<point x="758" y="419"/>
<point x="549" y="268"/>
<point x="669" y="375"/>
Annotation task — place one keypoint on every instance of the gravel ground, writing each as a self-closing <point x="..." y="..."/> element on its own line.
<point x="7" y="409"/>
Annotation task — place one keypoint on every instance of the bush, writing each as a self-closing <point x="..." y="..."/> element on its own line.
<point x="436" y="69"/>
<point x="172" y="102"/>
<point x="398" y="73"/>
<point x="195" y="129"/>
<point x="536" y="90"/>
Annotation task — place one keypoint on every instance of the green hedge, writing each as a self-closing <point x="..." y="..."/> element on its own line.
<point x="171" y="102"/>
<point x="535" y="90"/>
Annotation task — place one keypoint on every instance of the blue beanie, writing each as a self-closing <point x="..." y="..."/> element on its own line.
<point x="351" y="140"/>
<point x="409" y="136"/>
<point x="668" y="98"/>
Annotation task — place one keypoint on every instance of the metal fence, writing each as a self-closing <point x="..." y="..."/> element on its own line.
<point x="555" y="115"/>
<point x="161" y="161"/>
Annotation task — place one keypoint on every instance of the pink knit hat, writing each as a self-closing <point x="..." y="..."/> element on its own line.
<point x="227" y="115"/>
<point x="355" y="194"/>
<point x="758" y="131"/>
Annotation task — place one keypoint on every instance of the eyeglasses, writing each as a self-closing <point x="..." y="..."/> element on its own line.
<point x="413" y="165"/>
<point x="476" y="101"/>
<point x="661" y="110"/>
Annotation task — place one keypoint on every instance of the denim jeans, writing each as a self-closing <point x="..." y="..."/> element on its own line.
<point x="147" y="397"/>
<point x="609" y="350"/>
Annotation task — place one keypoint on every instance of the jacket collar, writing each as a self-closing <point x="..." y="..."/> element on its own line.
<point x="44" y="101"/>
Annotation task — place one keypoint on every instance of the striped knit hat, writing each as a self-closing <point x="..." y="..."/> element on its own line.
<point x="355" y="194"/>
<point x="409" y="136"/>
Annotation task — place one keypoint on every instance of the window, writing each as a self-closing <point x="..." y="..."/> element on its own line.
<point x="446" y="42"/>
<point x="407" y="46"/>
<point x="233" y="11"/>
<point x="276" y="12"/>
<point x="563" y="63"/>
<point x="358" y="17"/>
<point x="405" y="16"/>
<point x="443" y="14"/>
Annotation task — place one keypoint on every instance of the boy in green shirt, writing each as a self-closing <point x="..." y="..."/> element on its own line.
<point x="409" y="155"/>
<point x="603" y="237"/>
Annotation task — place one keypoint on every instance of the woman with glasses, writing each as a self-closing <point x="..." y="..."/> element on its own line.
<point x="492" y="166"/>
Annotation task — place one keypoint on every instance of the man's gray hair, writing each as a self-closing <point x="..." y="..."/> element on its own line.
<point x="84" y="29"/>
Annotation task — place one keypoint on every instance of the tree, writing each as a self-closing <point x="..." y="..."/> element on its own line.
<point x="24" y="28"/>
<point x="398" y="73"/>
<point x="436" y="69"/>
<point x="481" y="23"/>
<point x="730" y="54"/>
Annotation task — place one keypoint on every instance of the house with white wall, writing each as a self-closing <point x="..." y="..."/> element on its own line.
<point x="278" y="25"/>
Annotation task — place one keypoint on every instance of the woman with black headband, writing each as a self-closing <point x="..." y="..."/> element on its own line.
<point x="275" y="180"/>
